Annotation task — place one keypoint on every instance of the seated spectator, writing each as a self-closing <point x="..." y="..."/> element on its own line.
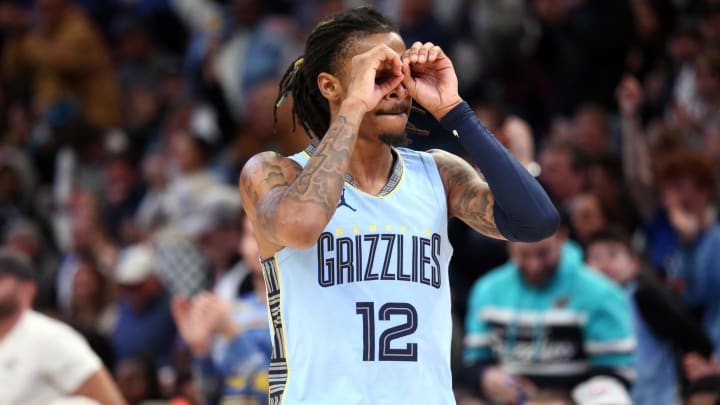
<point x="144" y="322"/>
<point x="43" y="360"/>
<point x="661" y="327"/>
<point x="586" y="215"/>
<point x="91" y="306"/>
<point x="65" y="58"/>
<point x="563" y="171"/>
<point x="231" y="343"/>
<point x="137" y="379"/>
<point x="216" y="229"/>
<point x="545" y="322"/>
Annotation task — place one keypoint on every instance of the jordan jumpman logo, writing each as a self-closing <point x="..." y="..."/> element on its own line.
<point x="342" y="201"/>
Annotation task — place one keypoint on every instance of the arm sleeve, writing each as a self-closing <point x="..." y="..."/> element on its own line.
<point x="70" y="361"/>
<point x="522" y="209"/>
<point x="609" y="337"/>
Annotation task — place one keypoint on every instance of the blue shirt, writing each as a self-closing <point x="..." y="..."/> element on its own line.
<point x="696" y="268"/>
<point x="238" y="369"/>
<point x="149" y="331"/>
<point x="656" y="381"/>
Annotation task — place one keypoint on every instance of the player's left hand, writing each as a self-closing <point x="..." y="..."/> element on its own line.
<point x="430" y="79"/>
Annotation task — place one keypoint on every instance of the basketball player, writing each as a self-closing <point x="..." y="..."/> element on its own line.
<point x="357" y="286"/>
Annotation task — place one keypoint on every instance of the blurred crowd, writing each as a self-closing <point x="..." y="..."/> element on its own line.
<point x="124" y="125"/>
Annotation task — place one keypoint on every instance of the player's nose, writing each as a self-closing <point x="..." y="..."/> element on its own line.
<point x="398" y="93"/>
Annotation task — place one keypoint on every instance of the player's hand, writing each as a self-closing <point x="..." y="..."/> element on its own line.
<point x="430" y="78"/>
<point x="374" y="74"/>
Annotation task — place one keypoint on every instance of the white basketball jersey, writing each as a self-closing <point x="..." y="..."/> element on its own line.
<point x="363" y="317"/>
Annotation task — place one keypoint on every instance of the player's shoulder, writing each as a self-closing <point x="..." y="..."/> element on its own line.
<point x="263" y="163"/>
<point x="448" y="162"/>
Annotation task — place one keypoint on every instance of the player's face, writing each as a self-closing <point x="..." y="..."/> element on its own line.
<point x="537" y="261"/>
<point x="389" y="119"/>
<point x="612" y="259"/>
<point x="10" y="298"/>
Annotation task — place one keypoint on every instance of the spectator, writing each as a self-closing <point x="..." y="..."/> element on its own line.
<point x="89" y="237"/>
<point x="545" y="322"/>
<point x="43" y="359"/>
<point x="231" y="346"/>
<point x="123" y="193"/>
<point x="66" y="59"/>
<point x="91" y="302"/>
<point x="591" y="131"/>
<point x="686" y="182"/>
<point x="191" y="150"/>
<point x="586" y="216"/>
<point x="605" y="180"/>
<point x="563" y="170"/>
<point x="661" y="327"/>
<point x="137" y="379"/>
<point x="25" y="237"/>
<point x="144" y="324"/>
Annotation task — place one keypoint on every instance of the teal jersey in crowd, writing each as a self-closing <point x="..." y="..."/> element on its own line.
<point x="556" y="334"/>
<point x="363" y="317"/>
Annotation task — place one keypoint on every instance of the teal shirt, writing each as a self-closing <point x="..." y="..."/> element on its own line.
<point x="579" y="321"/>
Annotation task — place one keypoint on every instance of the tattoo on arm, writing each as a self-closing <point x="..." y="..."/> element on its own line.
<point x="469" y="198"/>
<point x="320" y="183"/>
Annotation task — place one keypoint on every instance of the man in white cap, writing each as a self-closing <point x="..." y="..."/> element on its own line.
<point x="144" y="324"/>
<point x="41" y="359"/>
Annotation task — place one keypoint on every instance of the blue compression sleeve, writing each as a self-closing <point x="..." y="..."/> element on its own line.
<point x="522" y="211"/>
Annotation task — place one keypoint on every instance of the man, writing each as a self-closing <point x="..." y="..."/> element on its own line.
<point x="686" y="184"/>
<point x="544" y="323"/>
<point x="563" y="171"/>
<point x="42" y="360"/>
<point x="64" y="57"/>
<point x="661" y="327"/>
<point x="145" y="324"/>
<point x="353" y="231"/>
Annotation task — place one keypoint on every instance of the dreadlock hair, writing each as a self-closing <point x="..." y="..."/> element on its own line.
<point x="325" y="48"/>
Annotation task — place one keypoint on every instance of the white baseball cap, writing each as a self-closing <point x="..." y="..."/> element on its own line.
<point x="135" y="264"/>
<point x="601" y="390"/>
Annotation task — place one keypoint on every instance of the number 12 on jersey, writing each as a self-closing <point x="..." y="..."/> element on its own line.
<point x="385" y="352"/>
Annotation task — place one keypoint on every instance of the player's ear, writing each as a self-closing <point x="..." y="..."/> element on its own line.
<point x="329" y="86"/>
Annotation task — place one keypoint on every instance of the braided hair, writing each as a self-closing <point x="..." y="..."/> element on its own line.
<point x="325" y="48"/>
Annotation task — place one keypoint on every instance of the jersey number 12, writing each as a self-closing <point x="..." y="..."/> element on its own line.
<point x="385" y="351"/>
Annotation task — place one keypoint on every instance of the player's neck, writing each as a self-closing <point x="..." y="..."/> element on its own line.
<point x="7" y="324"/>
<point x="370" y="165"/>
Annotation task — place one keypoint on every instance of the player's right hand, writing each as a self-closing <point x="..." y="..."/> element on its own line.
<point x="374" y="74"/>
